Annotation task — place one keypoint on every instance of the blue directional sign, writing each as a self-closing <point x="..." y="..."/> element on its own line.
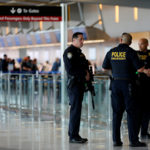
<point x="2" y="42"/>
<point x="29" y="40"/>
<point x="17" y="40"/>
<point x="9" y="41"/>
<point x="38" y="38"/>
<point x="48" y="38"/>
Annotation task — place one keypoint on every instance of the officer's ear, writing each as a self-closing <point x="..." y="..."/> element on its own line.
<point x="130" y="42"/>
<point x="74" y="39"/>
<point x="120" y="40"/>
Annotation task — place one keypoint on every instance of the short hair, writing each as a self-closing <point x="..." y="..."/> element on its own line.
<point x="144" y="40"/>
<point x="126" y="38"/>
<point x="75" y="35"/>
<point x="4" y="55"/>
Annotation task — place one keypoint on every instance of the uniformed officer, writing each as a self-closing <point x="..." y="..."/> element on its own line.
<point x="76" y="67"/>
<point x="144" y="84"/>
<point x="123" y="61"/>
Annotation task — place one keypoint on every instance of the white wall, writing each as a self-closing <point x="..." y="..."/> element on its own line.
<point x="43" y="54"/>
<point x="11" y="53"/>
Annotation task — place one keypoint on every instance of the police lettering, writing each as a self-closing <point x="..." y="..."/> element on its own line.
<point x="118" y="56"/>
<point x="143" y="57"/>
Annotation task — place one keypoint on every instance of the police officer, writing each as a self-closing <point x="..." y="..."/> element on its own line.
<point x="144" y="84"/>
<point x="123" y="61"/>
<point x="76" y="67"/>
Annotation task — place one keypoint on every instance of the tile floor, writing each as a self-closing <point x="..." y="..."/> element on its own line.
<point x="26" y="133"/>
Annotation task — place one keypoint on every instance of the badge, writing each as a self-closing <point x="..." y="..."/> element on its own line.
<point x="82" y="55"/>
<point x="69" y="55"/>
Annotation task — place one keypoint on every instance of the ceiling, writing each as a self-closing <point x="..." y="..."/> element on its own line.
<point x="30" y="26"/>
<point x="129" y="3"/>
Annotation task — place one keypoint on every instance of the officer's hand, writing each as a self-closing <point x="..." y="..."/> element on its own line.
<point x="87" y="77"/>
<point x="148" y="72"/>
<point x="145" y="71"/>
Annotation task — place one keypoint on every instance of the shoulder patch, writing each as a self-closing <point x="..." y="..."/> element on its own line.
<point x="82" y="55"/>
<point x="69" y="55"/>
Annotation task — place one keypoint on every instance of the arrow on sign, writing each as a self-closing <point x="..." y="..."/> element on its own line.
<point x="13" y="10"/>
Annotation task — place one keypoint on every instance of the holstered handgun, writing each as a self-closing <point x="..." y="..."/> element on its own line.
<point x="70" y="81"/>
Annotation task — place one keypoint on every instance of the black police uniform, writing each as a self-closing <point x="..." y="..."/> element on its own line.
<point x="144" y="84"/>
<point x="123" y="61"/>
<point x="76" y="66"/>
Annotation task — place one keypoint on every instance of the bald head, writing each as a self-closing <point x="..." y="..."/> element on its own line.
<point x="143" y="44"/>
<point x="126" y="38"/>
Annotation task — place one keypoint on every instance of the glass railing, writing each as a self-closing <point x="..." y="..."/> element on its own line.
<point x="38" y="96"/>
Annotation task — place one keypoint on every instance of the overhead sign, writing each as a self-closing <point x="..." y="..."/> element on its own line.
<point x="30" y="13"/>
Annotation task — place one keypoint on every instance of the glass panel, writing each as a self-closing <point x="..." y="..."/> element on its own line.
<point x="39" y="97"/>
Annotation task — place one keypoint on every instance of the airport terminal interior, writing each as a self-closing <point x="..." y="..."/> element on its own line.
<point x="34" y="105"/>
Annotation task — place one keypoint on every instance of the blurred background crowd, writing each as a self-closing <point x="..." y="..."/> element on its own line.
<point x="27" y="65"/>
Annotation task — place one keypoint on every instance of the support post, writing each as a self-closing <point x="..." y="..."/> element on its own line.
<point x="64" y="33"/>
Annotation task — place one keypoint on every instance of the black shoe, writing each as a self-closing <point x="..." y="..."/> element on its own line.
<point x="138" y="144"/>
<point x="146" y="136"/>
<point x="84" y="139"/>
<point x="118" y="143"/>
<point x="77" y="140"/>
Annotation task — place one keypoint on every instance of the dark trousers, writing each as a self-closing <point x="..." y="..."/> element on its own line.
<point x="144" y="103"/>
<point x="124" y="98"/>
<point x="145" y="122"/>
<point x="75" y="93"/>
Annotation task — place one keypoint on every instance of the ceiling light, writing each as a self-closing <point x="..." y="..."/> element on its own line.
<point x="117" y="14"/>
<point x="100" y="6"/>
<point x="13" y="1"/>
<point x="42" y="4"/>
<point x="135" y="13"/>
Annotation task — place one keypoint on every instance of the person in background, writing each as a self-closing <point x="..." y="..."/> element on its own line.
<point x="47" y="67"/>
<point x="5" y="63"/>
<point x="10" y="65"/>
<point x="26" y="65"/>
<point x="34" y="66"/>
<point x="56" y="65"/>
<point x="0" y="64"/>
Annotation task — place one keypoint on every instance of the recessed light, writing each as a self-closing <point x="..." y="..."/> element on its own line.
<point x="12" y="1"/>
